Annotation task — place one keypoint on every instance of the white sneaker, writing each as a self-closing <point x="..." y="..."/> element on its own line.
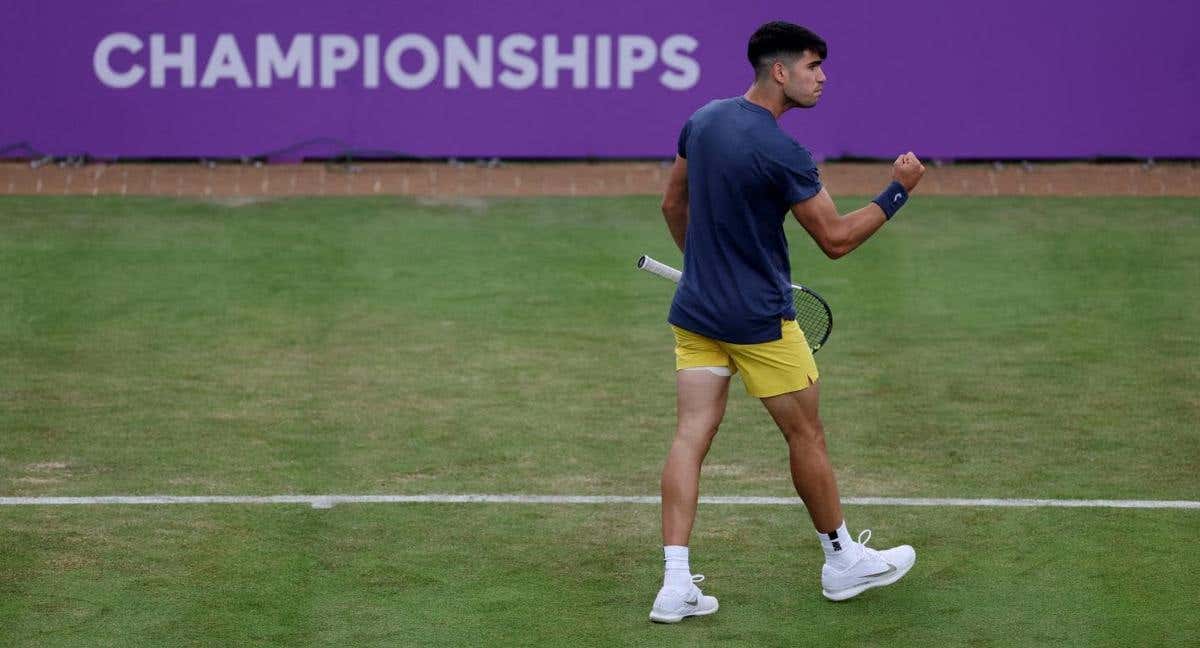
<point x="872" y="569"/>
<point x="672" y="605"/>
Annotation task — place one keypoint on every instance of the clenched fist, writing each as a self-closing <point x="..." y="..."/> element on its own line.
<point x="908" y="170"/>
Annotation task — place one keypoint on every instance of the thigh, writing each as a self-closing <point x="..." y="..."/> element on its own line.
<point x="701" y="398"/>
<point x="797" y="413"/>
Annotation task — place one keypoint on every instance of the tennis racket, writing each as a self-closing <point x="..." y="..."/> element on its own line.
<point x="812" y="311"/>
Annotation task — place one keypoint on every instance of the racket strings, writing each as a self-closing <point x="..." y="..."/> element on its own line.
<point x="812" y="316"/>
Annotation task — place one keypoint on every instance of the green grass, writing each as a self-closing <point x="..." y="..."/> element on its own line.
<point x="522" y="575"/>
<point x="982" y="348"/>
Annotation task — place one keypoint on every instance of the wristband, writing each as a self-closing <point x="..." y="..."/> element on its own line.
<point x="892" y="199"/>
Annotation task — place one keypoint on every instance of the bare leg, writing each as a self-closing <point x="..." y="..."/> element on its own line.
<point x="701" y="405"/>
<point x="796" y="415"/>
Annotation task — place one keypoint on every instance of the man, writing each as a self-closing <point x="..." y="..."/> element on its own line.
<point x="735" y="177"/>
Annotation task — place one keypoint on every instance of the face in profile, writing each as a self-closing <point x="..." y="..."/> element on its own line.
<point x="803" y="79"/>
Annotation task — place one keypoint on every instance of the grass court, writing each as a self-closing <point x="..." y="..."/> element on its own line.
<point x="998" y="347"/>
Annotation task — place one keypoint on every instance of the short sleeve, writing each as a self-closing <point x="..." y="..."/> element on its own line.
<point x="681" y="145"/>
<point x="797" y="175"/>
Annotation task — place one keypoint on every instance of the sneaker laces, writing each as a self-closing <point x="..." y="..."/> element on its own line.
<point x="863" y="538"/>
<point x="865" y="532"/>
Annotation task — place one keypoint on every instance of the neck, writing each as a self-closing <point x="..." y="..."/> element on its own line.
<point x="771" y="99"/>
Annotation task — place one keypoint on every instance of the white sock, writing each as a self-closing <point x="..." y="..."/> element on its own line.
<point x="678" y="574"/>
<point x="840" y="549"/>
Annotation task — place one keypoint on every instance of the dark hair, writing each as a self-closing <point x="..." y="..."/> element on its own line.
<point x="782" y="38"/>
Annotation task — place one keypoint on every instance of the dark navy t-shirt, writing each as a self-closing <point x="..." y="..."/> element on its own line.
<point x="744" y="173"/>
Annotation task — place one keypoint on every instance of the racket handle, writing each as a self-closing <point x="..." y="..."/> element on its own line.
<point x="660" y="269"/>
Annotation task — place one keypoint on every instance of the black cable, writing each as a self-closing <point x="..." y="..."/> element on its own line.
<point x="22" y="146"/>
<point x="345" y="152"/>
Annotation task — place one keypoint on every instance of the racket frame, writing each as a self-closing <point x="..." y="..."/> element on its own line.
<point x="667" y="272"/>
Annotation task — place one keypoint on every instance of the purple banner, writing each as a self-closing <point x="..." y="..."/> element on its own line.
<point x="529" y="78"/>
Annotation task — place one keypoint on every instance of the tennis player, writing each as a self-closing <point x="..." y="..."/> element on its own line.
<point x="736" y="176"/>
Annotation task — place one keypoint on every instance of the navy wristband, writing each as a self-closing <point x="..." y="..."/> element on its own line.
<point x="892" y="199"/>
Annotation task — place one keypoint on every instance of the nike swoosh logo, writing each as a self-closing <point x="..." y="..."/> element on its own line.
<point x="897" y="197"/>
<point x="696" y="600"/>
<point x="890" y="569"/>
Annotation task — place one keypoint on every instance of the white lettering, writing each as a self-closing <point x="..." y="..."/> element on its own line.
<point x="338" y="53"/>
<point x="371" y="61"/>
<point x="512" y="56"/>
<point x="429" y="61"/>
<point x="553" y="61"/>
<point x="685" y="71"/>
<point x="634" y="54"/>
<point x="226" y="62"/>
<point x="103" y="67"/>
<point x="604" y="61"/>
<point x="161" y="60"/>
<point x="297" y="62"/>
<point x="411" y="61"/>
<point x="459" y="58"/>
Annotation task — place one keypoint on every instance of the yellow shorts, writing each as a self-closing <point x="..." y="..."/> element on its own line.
<point x="768" y="369"/>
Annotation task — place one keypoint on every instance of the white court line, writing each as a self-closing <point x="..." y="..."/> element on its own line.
<point x="326" y="501"/>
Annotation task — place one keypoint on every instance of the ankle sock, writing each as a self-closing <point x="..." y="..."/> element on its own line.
<point x="678" y="574"/>
<point x="840" y="549"/>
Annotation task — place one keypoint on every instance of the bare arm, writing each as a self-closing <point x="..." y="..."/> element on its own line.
<point x="675" y="202"/>
<point x="837" y="235"/>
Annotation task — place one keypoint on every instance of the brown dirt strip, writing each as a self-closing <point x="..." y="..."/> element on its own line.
<point x="446" y="179"/>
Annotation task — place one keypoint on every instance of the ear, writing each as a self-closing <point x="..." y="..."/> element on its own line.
<point x="778" y="71"/>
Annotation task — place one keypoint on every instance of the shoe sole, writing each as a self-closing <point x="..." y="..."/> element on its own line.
<point x="851" y="592"/>
<point x="676" y="618"/>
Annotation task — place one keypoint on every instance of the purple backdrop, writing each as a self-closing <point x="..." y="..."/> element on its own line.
<point x="1013" y="79"/>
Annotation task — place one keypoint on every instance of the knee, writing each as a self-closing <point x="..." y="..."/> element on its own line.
<point x="805" y="434"/>
<point x="695" y="437"/>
